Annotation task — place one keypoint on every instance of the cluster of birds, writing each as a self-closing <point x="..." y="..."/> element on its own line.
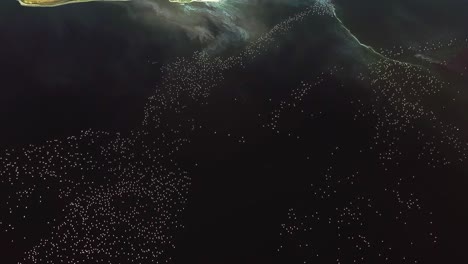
<point x="403" y="110"/>
<point x="404" y="97"/>
<point x="119" y="198"/>
<point x="110" y="197"/>
<point x="358" y="213"/>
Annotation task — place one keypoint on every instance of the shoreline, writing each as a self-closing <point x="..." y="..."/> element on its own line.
<point x="36" y="3"/>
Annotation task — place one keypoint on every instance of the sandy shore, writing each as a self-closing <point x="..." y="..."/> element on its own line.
<point x="52" y="3"/>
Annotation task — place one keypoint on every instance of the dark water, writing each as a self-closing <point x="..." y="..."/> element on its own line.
<point x="77" y="67"/>
<point x="91" y="66"/>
